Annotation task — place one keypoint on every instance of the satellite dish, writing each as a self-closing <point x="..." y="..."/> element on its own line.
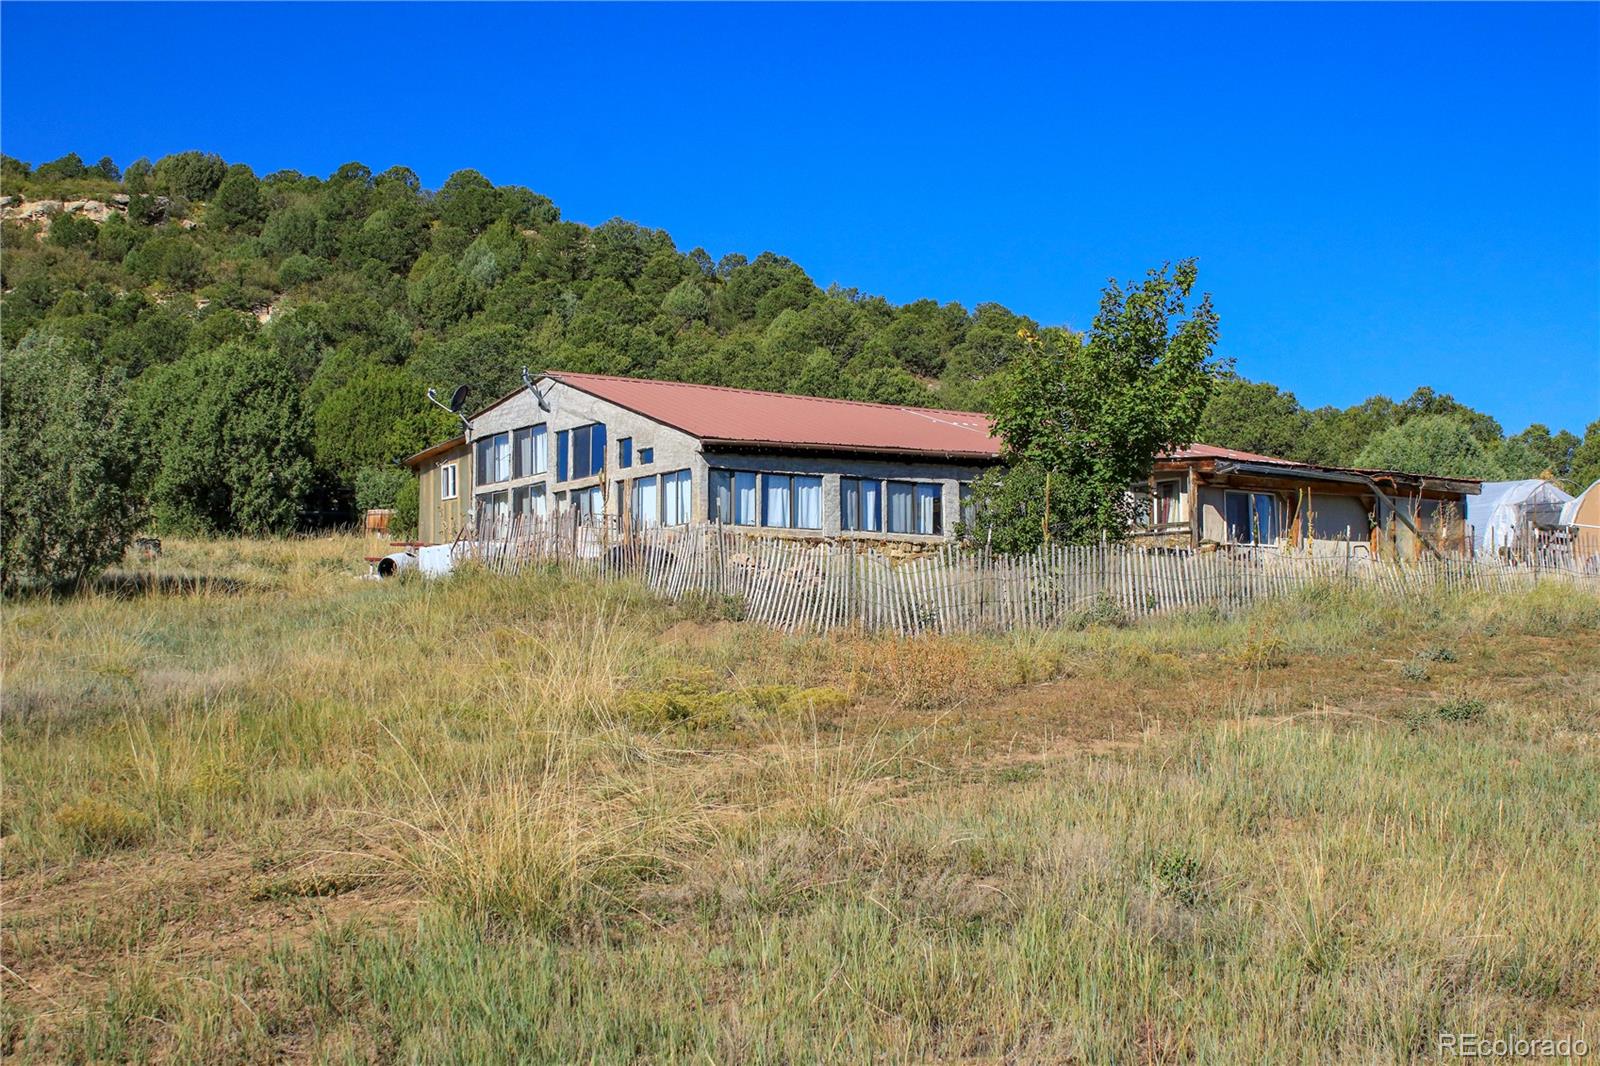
<point x="454" y="407"/>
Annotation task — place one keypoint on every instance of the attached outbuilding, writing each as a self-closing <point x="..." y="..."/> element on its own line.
<point x="1206" y="496"/>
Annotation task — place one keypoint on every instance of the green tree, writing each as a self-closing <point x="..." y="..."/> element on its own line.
<point x="1442" y="445"/>
<point x="238" y="199"/>
<point x="1089" y="414"/>
<point x="1254" y="416"/>
<point x="378" y="415"/>
<point x="229" y="441"/>
<point x="68" y="504"/>
<point x="1585" y="469"/>
<point x="192" y="175"/>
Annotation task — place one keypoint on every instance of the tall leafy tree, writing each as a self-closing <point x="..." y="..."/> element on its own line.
<point x="1087" y="415"/>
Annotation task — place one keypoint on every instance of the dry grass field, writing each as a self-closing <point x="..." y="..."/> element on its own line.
<point x="258" y="810"/>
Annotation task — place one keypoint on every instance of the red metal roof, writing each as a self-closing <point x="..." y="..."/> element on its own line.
<point x="726" y="416"/>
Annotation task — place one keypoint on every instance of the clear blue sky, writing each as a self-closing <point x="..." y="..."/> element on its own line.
<point x="1379" y="196"/>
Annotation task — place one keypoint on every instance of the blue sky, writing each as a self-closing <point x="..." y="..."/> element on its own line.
<point x="1380" y="196"/>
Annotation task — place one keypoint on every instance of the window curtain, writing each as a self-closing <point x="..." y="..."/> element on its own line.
<point x="720" y="496"/>
<point x="777" y="500"/>
<point x="502" y="457"/>
<point x="645" y="503"/>
<point x="849" y="503"/>
<point x="675" y="498"/>
<point x="902" y="510"/>
<point x="747" y="504"/>
<point x="540" y="502"/>
<point x="541" y="449"/>
<point x="808" y="503"/>
<point x="872" y="506"/>
<point x="522" y="453"/>
<point x="929" y="497"/>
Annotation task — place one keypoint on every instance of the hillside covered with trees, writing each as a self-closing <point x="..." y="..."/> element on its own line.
<point x="272" y="336"/>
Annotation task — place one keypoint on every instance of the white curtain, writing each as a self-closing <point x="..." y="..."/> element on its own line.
<point x="928" y="508"/>
<point x="502" y="457"/>
<point x="808" y="503"/>
<point x="541" y="449"/>
<point x="646" y="511"/>
<point x="872" y="506"/>
<point x="540" y="501"/>
<point x="902" y="517"/>
<point x="777" y="499"/>
<point x="747" y="505"/>
<point x="675" y="493"/>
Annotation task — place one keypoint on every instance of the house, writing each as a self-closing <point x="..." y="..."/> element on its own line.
<point x="634" y="452"/>
<point x="1204" y="495"/>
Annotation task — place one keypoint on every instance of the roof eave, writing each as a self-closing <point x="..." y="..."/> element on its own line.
<point x="732" y="444"/>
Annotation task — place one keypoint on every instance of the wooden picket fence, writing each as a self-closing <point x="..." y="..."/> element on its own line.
<point x="797" y="584"/>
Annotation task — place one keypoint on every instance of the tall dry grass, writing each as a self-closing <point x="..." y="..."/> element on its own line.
<point x="636" y="831"/>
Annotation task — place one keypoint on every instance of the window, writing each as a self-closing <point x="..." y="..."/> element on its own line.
<point x="1253" y="517"/>
<point x="588" y="450"/>
<point x="791" y="502"/>
<point x="561" y="454"/>
<point x="860" y="505"/>
<point x="775" y="500"/>
<point x="624" y="453"/>
<point x="447" y="482"/>
<point x="647" y="456"/>
<point x="530" y="451"/>
<point x="1167" y="503"/>
<point x="969" y="510"/>
<point x="676" y="507"/>
<point x="732" y="499"/>
<point x="493" y="510"/>
<point x="590" y="503"/>
<point x="646" y="509"/>
<point x="529" y="501"/>
<point x="494" y="459"/>
<point x="916" y="508"/>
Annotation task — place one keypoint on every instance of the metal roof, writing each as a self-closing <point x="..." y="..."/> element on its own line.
<point x="724" y="417"/>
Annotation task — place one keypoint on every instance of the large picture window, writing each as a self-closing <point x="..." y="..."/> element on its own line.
<point x="733" y="498"/>
<point x="646" y="502"/>
<point x="590" y="503"/>
<point x="791" y="501"/>
<point x="494" y="459"/>
<point x="1253" y="517"/>
<point x="529" y="501"/>
<point x="588" y="445"/>
<point x="494" y="508"/>
<point x="916" y="508"/>
<point x="860" y="505"/>
<point x="530" y="451"/>
<point x="676" y="496"/>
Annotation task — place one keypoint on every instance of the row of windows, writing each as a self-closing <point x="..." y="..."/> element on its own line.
<point x="525" y="452"/>
<point x="749" y="498"/>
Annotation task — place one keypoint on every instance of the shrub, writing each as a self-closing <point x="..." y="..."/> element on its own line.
<point x="98" y="825"/>
<point x="1438" y="653"/>
<point x="1462" y="709"/>
<point x="1414" y="671"/>
<point x="67" y="500"/>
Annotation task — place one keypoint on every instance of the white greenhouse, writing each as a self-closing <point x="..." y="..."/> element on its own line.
<point x="1502" y="513"/>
